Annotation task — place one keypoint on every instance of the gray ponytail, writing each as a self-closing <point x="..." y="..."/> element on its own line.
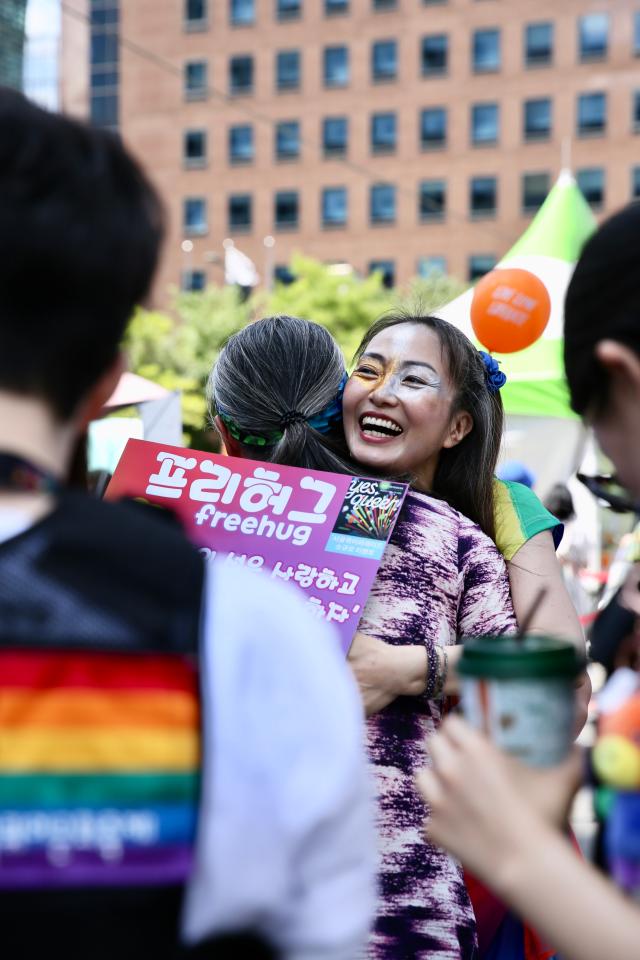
<point x="272" y="370"/>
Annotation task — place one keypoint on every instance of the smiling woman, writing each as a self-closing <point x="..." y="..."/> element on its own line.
<point x="419" y="403"/>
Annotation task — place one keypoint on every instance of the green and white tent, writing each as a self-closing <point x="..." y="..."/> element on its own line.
<point x="548" y="248"/>
<point x="542" y="431"/>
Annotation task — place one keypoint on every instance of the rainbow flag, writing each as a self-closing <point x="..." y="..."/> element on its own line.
<point x="99" y="768"/>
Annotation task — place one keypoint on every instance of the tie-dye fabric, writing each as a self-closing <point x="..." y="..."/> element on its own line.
<point x="441" y="578"/>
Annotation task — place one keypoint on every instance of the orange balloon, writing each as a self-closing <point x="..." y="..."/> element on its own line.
<point x="509" y="310"/>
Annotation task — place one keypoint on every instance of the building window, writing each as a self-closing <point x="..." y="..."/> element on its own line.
<point x="537" y="119"/>
<point x="288" y="9"/>
<point x="535" y="187"/>
<point x="336" y="66"/>
<point x="194" y="148"/>
<point x="288" y="140"/>
<point x="485" y="119"/>
<point x="286" y="210"/>
<point x="104" y="110"/>
<point x="483" y="198"/>
<point x="241" y="74"/>
<point x="538" y="44"/>
<point x="195" y="14"/>
<point x="104" y="47"/>
<point x="104" y="78"/>
<point x="382" y="203"/>
<point x="435" y="52"/>
<point x="486" y="51"/>
<point x="433" y="127"/>
<point x="635" y="183"/>
<point x="591" y="182"/>
<point x="384" y="4"/>
<point x="332" y="7"/>
<point x="479" y="264"/>
<point x="431" y="267"/>
<point x="334" y="207"/>
<point x="384" y="60"/>
<point x="241" y="144"/>
<point x="288" y="70"/>
<point x="195" y="80"/>
<point x="240" y="212"/>
<point x="242" y="13"/>
<point x="193" y="281"/>
<point x="635" y="113"/>
<point x="593" y="36"/>
<point x="383" y="132"/>
<point x="592" y="113"/>
<point x="335" y="134"/>
<point x="387" y="269"/>
<point x="636" y="33"/>
<point x="194" y="216"/>
<point x="432" y="200"/>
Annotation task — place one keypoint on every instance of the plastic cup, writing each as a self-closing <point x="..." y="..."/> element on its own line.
<point x="520" y="692"/>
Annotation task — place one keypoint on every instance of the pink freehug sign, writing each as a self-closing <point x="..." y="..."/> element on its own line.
<point x="325" y="532"/>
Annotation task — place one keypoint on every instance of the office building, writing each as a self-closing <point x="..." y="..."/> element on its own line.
<point x="408" y="136"/>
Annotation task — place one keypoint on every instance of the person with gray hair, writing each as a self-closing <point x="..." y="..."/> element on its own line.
<point x="276" y="393"/>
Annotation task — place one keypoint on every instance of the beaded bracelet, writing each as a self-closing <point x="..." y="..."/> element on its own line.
<point x="432" y="671"/>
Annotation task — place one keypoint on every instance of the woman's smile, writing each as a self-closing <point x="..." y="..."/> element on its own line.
<point x="375" y="428"/>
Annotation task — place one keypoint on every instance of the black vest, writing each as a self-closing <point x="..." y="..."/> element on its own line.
<point x="99" y="632"/>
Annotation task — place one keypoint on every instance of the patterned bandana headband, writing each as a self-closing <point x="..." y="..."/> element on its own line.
<point x="494" y="376"/>
<point x="322" y="422"/>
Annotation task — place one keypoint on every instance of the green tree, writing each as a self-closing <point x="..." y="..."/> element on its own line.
<point x="179" y="351"/>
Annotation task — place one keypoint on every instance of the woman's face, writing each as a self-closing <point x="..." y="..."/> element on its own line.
<point x="397" y="406"/>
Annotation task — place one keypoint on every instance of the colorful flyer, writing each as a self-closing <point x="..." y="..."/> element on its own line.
<point x="326" y="532"/>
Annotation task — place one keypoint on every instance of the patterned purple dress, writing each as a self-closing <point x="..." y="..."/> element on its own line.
<point x="441" y="578"/>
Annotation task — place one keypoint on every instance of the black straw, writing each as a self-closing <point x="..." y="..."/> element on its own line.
<point x="530" y="614"/>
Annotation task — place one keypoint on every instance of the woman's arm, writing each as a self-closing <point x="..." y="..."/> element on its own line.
<point x="384" y="671"/>
<point x="535" y="567"/>
<point x="501" y="819"/>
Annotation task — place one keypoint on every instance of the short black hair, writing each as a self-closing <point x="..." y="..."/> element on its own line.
<point x="80" y="233"/>
<point x="559" y="502"/>
<point x="602" y="302"/>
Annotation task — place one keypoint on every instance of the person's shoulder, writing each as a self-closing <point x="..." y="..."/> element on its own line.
<point x="426" y="503"/>
<point x="134" y="538"/>
<point x="140" y="520"/>
<point x="519" y="516"/>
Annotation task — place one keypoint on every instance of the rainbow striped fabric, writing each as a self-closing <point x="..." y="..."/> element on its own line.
<point x="99" y="768"/>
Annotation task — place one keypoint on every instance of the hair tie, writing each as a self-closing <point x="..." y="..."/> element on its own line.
<point x="291" y="416"/>
<point x="494" y="376"/>
<point x="324" y="421"/>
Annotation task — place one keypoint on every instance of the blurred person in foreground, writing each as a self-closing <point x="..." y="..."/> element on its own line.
<point x="504" y="821"/>
<point x="181" y="769"/>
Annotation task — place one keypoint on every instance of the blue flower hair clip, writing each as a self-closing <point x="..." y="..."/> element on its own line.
<point x="495" y="378"/>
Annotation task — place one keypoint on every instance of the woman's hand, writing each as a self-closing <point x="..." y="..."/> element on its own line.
<point x="483" y="802"/>
<point x="384" y="671"/>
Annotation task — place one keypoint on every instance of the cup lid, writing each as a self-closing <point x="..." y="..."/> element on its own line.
<point x="510" y="657"/>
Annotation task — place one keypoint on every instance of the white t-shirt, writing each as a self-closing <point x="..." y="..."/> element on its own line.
<point x="285" y="843"/>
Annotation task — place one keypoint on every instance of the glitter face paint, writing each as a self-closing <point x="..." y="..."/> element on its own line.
<point x="397" y="404"/>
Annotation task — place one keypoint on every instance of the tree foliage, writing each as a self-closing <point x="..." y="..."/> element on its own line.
<point x="178" y="351"/>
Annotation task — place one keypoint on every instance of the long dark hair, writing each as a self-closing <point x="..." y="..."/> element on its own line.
<point x="267" y="372"/>
<point x="464" y="475"/>
<point x="602" y="302"/>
